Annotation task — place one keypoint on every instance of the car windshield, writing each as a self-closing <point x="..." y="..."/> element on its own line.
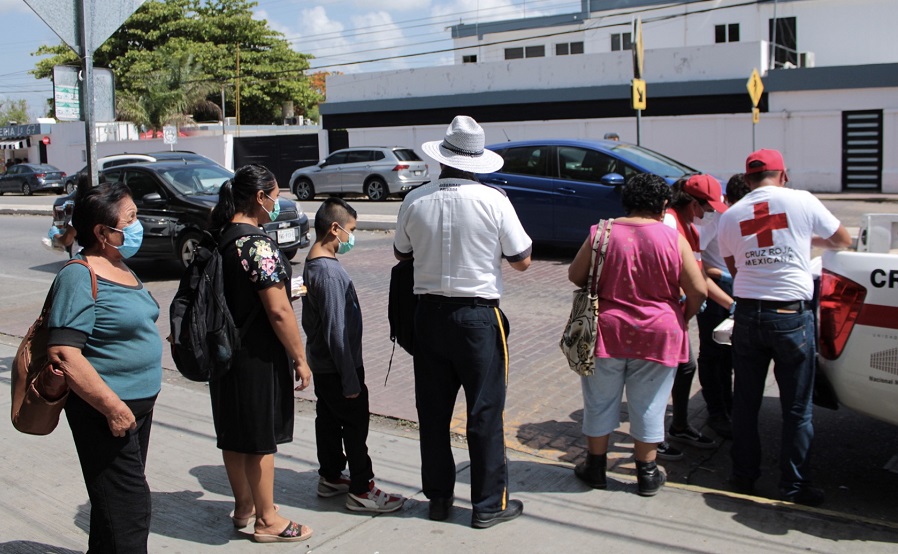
<point x="196" y="180"/>
<point x="652" y="162"/>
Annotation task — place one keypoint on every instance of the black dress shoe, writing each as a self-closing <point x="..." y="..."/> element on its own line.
<point x="807" y="495"/>
<point x="439" y="508"/>
<point x="482" y="520"/>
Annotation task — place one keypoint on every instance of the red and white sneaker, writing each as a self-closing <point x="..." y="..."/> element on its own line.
<point x="375" y="500"/>
<point x="327" y="489"/>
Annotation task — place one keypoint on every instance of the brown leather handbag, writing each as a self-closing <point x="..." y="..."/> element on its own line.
<point x="39" y="390"/>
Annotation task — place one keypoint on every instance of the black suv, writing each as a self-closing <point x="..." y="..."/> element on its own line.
<point x="174" y="199"/>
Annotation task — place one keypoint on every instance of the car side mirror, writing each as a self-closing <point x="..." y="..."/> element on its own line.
<point x="152" y="199"/>
<point x="615" y="180"/>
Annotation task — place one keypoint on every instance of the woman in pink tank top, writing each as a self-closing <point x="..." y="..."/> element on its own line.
<point x="641" y="329"/>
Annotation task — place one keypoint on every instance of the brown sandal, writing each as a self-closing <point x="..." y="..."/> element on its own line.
<point x="294" y="532"/>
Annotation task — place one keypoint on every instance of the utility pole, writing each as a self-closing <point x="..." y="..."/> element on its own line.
<point x="87" y="91"/>
<point x="238" y="90"/>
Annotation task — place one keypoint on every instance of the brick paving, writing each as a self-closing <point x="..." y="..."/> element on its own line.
<point x="544" y="407"/>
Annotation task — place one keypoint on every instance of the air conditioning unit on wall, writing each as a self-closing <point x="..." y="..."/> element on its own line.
<point x="806" y="59"/>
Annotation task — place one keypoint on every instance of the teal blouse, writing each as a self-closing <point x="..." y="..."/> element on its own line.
<point x="117" y="334"/>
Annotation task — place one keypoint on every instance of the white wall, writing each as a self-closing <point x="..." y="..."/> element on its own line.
<point x="68" y="153"/>
<point x="698" y="63"/>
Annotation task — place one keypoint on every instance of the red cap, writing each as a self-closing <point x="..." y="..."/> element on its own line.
<point x="707" y="188"/>
<point x="765" y="160"/>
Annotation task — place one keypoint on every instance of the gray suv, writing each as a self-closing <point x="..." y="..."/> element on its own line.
<point x="375" y="171"/>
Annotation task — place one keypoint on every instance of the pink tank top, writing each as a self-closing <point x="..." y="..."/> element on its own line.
<point x="639" y="295"/>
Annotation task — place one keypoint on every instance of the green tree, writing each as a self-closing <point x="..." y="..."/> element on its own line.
<point x="216" y="33"/>
<point x="165" y="96"/>
<point x="13" y="110"/>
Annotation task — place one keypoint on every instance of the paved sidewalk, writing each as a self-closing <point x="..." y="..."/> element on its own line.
<point x="44" y="505"/>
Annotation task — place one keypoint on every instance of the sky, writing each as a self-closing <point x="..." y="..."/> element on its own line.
<point x="343" y="35"/>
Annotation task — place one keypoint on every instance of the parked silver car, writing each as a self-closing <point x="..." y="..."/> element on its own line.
<point x="31" y="178"/>
<point x="374" y="170"/>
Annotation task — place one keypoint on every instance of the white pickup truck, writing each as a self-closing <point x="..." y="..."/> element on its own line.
<point x="858" y="322"/>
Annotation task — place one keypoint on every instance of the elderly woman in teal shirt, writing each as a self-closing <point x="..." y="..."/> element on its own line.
<point x="111" y="354"/>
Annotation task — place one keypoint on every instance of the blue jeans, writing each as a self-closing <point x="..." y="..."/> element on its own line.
<point x="759" y="336"/>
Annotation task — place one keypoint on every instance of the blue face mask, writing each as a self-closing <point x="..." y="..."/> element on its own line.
<point x="273" y="214"/>
<point x="133" y="238"/>
<point x="345" y="247"/>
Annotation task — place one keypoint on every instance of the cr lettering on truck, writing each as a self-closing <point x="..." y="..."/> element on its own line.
<point x="880" y="278"/>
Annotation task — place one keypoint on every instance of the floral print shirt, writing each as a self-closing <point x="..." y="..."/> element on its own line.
<point x="259" y="257"/>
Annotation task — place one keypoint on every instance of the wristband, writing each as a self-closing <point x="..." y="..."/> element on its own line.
<point x="733" y="308"/>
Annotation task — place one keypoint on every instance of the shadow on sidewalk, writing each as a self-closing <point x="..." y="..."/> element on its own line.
<point x="783" y="521"/>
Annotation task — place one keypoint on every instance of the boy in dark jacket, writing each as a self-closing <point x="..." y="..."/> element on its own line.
<point x="332" y="320"/>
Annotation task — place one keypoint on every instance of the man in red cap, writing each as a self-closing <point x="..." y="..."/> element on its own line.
<point x="766" y="241"/>
<point x="691" y="199"/>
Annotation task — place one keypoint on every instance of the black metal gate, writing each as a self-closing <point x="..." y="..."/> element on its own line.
<point x="282" y="154"/>
<point x="862" y="151"/>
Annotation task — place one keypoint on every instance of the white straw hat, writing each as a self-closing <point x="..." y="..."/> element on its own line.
<point x="463" y="148"/>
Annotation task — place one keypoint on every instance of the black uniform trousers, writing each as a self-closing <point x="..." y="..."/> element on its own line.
<point x="342" y="423"/>
<point x="458" y="345"/>
<point x="114" y="473"/>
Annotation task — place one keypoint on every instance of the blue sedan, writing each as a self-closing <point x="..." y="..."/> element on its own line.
<point x="561" y="187"/>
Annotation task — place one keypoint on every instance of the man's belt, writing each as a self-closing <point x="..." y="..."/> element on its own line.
<point x="790" y="305"/>
<point x="461" y="300"/>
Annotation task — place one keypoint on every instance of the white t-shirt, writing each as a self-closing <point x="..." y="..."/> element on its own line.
<point x="769" y="233"/>
<point x="707" y="229"/>
<point x="458" y="231"/>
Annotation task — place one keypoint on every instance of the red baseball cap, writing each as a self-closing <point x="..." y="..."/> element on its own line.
<point x="707" y="188"/>
<point x="765" y="160"/>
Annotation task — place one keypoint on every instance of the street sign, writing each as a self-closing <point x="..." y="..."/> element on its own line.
<point x="755" y="115"/>
<point x="170" y="134"/>
<point x="67" y="93"/>
<point x="102" y="18"/>
<point x="638" y="50"/>
<point x="638" y="90"/>
<point x="755" y="87"/>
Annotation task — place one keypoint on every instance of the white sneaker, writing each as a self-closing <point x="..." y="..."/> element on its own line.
<point x="375" y="500"/>
<point x="327" y="489"/>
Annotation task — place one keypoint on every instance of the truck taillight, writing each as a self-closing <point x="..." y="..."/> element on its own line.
<point x="400" y="167"/>
<point x="841" y="300"/>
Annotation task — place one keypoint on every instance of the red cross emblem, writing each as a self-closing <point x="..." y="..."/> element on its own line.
<point x="763" y="224"/>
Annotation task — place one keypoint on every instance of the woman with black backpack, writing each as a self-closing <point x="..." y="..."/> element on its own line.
<point x="252" y="404"/>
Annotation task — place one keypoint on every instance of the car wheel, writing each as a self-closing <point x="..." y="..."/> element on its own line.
<point x="187" y="246"/>
<point x="26" y="190"/>
<point x="303" y="190"/>
<point x="376" y="189"/>
<point x="69" y="187"/>
<point x="289" y="254"/>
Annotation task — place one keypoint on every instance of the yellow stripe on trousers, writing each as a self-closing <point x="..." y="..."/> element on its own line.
<point x="505" y="357"/>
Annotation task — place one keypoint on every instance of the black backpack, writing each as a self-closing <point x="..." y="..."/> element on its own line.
<point x="203" y="334"/>
<point x="401" y="305"/>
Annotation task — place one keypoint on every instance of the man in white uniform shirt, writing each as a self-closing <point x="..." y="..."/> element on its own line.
<point x="766" y="240"/>
<point x="458" y="230"/>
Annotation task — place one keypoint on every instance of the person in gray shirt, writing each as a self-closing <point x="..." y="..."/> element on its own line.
<point x="332" y="320"/>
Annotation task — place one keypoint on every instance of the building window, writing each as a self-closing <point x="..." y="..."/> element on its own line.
<point x="525" y="52"/>
<point x="568" y="48"/>
<point x="621" y="41"/>
<point x="470" y="59"/>
<point x="535" y="51"/>
<point x="784" y="40"/>
<point x="726" y="33"/>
